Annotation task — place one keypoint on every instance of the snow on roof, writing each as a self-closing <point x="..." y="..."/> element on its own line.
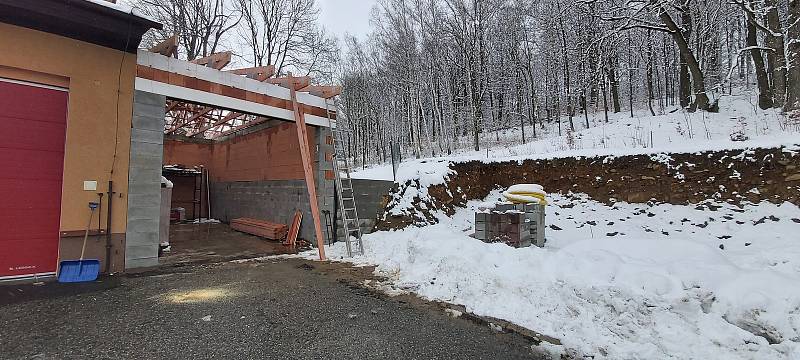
<point x="121" y="8"/>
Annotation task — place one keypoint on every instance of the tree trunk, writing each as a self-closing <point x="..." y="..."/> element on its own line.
<point x="605" y="99"/>
<point x="630" y="75"/>
<point x="585" y="105"/>
<point x="650" y="75"/>
<point x="567" y="77"/>
<point x="764" y="92"/>
<point x="793" y="57"/>
<point x="685" y="83"/>
<point x="518" y="88"/>
<point x="698" y="83"/>
<point x="776" y="58"/>
<point x="612" y="80"/>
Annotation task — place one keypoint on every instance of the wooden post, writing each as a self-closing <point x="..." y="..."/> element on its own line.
<point x="302" y="137"/>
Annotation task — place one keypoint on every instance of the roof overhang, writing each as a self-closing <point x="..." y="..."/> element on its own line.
<point x="79" y="19"/>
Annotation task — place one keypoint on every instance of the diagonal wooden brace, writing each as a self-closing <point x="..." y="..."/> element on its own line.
<point x="305" y="154"/>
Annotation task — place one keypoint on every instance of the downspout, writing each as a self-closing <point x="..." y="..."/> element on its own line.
<point x="108" y="226"/>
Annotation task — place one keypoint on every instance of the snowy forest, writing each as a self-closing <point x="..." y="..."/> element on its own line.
<point x="436" y="72"/>
<point x="437" y="76"/>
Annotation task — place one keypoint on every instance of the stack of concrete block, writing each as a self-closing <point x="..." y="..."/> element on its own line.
<point x="517" y="225"/>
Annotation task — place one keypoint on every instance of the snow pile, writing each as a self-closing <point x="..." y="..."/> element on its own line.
<point x="417" y="178"/>
<point x="621" y="282"/>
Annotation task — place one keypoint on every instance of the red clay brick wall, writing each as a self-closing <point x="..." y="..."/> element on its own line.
<point x="269" y="154"/>
<point x="186" y="153"/>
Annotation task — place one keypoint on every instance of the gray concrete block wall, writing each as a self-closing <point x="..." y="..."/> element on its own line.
<point x="144" y="180"/>
<point x="272" y="200"/>
<point x="371" y="196"/>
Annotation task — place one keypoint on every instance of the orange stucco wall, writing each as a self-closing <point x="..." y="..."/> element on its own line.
<point x="98" y="120"/>
<point x="269" y="154"/>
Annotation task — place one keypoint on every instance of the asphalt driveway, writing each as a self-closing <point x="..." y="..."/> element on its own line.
<point x="283" y="309"/>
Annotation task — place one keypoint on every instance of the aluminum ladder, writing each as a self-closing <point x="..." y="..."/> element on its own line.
<point x="344" y="188"/>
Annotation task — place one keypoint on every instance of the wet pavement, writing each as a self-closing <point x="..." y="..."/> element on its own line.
<point x="205" y="243"/>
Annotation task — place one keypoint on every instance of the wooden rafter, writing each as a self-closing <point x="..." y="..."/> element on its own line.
<point x="259" y="73"/>
<point x="325" y="92"/>
<point x="291" y="82"/>
<point x="215" y="61"/>
<point x="228" y="118"/>
<point x="168" y="47"/>
<point x="245" y="125"/>
<point x="171" y="105"/>
<point x="204" y="110"/>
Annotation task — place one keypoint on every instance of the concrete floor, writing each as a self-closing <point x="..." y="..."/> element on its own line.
<point x="203" y="243"/>
<point x="282" y="309"/>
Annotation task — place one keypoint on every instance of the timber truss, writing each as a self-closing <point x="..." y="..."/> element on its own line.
<point x="192" y="120"/>
<point x="212" y="122"/>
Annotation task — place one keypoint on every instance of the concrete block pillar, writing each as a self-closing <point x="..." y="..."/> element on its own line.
<point x="324" y="176"/>
<point x="144" y="180"/>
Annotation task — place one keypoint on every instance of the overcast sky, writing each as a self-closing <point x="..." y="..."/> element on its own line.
<point x="346" y="16"/>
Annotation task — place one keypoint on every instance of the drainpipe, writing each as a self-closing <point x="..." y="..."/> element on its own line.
<point x="108" y="226"/>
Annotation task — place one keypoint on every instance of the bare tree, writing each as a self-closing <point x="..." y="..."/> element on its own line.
<point x="793" y="56"/>
<point x="201" y="25"/>
<point x="284" y="33"/>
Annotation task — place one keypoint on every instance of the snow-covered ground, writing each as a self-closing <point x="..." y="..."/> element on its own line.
<point x="628" y="281"/>
<point x="680" y="132"/>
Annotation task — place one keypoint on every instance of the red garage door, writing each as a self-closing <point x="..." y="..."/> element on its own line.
<point x="33" y="122"/>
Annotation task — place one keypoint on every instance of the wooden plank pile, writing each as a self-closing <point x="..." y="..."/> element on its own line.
<point x="260" y="228"/>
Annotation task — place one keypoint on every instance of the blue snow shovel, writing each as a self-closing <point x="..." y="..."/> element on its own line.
<point x="73" y="271"/>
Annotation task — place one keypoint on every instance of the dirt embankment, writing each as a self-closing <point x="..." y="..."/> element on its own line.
<point x="735" y="176"/>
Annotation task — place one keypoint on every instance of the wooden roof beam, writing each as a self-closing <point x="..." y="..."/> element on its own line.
<point x="259" y="73"/>
<point x="259" y="120"/>
<point x="168" y="47"/>
<point x="215" y="61"/>
<point x="291" y="82"/>
<point x="325" y="92"/>
<point x="194" y="117"/>
<point x="228" y="118"/>
<point x="171" y="105"/>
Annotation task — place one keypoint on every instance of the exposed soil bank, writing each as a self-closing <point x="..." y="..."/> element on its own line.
<point x="734" y="176"/>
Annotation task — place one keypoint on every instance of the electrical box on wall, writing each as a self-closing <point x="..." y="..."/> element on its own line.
<point x="90" y="185"/>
